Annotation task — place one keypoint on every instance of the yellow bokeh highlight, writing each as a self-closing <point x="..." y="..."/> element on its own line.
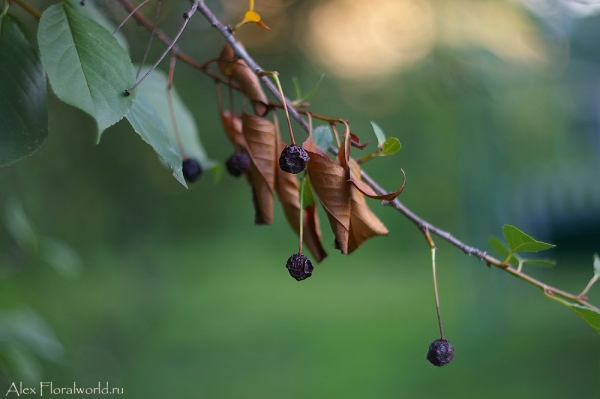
<point x="368" y="38"/>
<point x="365" y="39"/>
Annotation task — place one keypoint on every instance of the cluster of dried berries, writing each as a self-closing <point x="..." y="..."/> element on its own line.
<point x="272" y="168"/>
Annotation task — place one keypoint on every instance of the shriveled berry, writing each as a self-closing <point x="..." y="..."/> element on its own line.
<point x="293" y="159"/>
<point x="440" y="352"/>
<point x="238" y="164"/>
<point x="191" y="169"/>
<point x="299" y="266"/>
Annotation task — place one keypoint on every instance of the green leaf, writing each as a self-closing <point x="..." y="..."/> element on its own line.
<point x="296" y="86"/>
<point x="501" y="250"/>
<point x="92" y="11"/>
<point x="539" y="262"/>
<point x="19" y="227"/>
<point x="61" y="256"/>
<point x="154" y="90"/>
<point x="590" y="316"/>
<point x="391" y="146"/>
<point x="23" y="363"/>
<point x="378" y="133"/>
<point x="147" y="123"/>
<point x="86" y="65"/>
<point x="28" y="329"/>
<point x="596" y="264"/>
<point x="521" y="242"/>
<point x="313" y="89"/>
<point x="308" y="198"/>
<point x="23" y="108"/>
<point x="323" y="137"/>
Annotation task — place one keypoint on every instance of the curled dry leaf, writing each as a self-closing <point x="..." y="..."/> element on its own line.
<point x="364" y="224"/>
<point x="354" y="172"/>
<point x="245" y="77"/>
<point x="369" y="192"/>
<point x="330" y="182"/>
<point x="287" y="189"/>
<point x="259" y="135"/>
<point x="233" y="127"/>
<point x="355" y="142"/>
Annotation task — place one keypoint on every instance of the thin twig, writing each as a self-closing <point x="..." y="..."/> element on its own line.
<point x="30" y="9"/>
<point x="156" y="16"/>
<point x="171" y="108"/>
<point x="129" y="16"/>
<point x="186" y="18"/>
<point x="174" y="48"/>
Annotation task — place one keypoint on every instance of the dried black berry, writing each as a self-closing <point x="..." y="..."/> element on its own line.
<point x="299" y="266"/>
<point x="293" y="159"/>
<point x="440" y="352"/>
<point x="191" y="169"/>
<point x="238" y="164"/>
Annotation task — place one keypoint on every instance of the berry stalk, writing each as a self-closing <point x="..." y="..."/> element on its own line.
<point x="275" y="76"/>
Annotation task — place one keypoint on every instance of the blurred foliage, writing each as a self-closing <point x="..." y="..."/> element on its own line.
<point x="177" y="293"/>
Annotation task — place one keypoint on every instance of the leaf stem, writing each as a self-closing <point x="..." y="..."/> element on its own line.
<point x="589" y="285"/>
<point x="156" y="16"/>
<point x="129" y="16"/>
<point x="275" y="76"/>
<point x="372" y="155"/>
<point x="30" y="9"/>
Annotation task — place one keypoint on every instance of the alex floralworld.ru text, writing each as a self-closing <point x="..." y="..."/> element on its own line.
<point x="49" y="389"/>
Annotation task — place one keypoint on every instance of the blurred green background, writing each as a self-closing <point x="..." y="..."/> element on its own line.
<point x="110" y="271"/>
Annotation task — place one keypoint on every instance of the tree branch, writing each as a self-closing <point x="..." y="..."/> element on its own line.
<point x="420" y="223"/>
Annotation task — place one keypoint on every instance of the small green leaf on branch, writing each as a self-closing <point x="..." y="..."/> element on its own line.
<point x="539" y="262"/>
<point x="596" y="264"/>
<point x="313" y="89"/>
<point x="379" y="134"/>
<point x="503" y="251"/>
<point x="391" y="146"/>
<point x="323" y="137"/>
<point x="521" y="242"/>
<point x="590" y="316"/>
<point x="297" y="90"/>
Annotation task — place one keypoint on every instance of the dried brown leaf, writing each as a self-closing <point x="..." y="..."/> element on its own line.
<point x="344" y="151"/>
<point x="259" y="136"/>
<point x="369" y="192"/>
<point x="364" y="224"/>
<point x="245" y="78"/>
<point x="355" y="142"/>
<point x="330" y="182"/>
<point x="262" y="196"/>
<point x="233" y="127"/>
